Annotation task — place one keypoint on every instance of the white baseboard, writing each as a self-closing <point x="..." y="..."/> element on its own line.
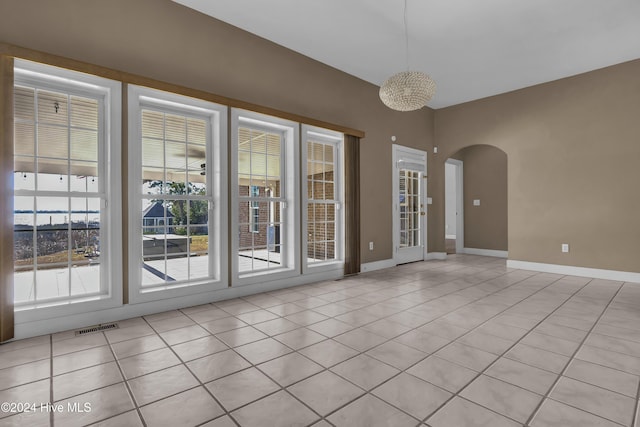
<point x="388" y="263"/>
<point x="596" y="273"/>
<point x="485" y="252"/>
<point x="377" y="265"/>
<point x="29" y="329"/>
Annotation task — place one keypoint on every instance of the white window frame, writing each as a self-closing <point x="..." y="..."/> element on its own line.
<point x="109" y="92"/>
<point x="290" y="205"/>
<point x="140" y="98"/>
<point x="324" y="136"/>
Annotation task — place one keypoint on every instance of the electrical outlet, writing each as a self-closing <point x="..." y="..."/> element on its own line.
<point x="370" y="246"/>
<point x="565" y="247"/>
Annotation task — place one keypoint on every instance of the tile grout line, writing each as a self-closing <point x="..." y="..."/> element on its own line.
<point x="228" y="314"/>
<point x="201" y="384"/>
<point x="368" y="392"/>
<point x="51" y="420"/>
<point x="489" y="333"/>
<point x="635" y="421"/>
<point x="301" y="326"/>
<point x="433" y="320"/>
<point x="424" y="302"/>
<point x="571" y="358"/>
<point x="482" y="372"/>
<point x="325" y="369"/>
<point x="280" y="387"/>
<point x="157" y="334"/>
<point x="636" y="416"/>
<point x="252" y="365"/>
<point x="428" y="355"/>
<point x="484" y="296"/>
<point x="126" y="384"/>
<point x="390" y="297"/>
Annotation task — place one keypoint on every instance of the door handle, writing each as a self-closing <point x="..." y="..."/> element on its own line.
<point x="422" y="213"/>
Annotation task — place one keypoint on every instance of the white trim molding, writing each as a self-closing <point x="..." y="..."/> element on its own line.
<point x="377" y="265"/>
<point x="485" y="252"/>
<point x="436" y="255"/>
<point x="459" y="165"/>
<point x="388" y="263"/>
<point x="596" y="273"/>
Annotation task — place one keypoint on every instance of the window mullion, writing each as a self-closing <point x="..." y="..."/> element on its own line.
<point x="36" y="166"/>
<point x="188" y="190"/>
<point x="165" y="191"/>
<point x="69" y="224"/>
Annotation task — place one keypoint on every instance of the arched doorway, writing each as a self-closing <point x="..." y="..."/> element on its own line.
<point x="476" y="201"/>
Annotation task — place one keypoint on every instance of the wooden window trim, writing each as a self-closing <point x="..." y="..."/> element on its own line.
<point x="134" y="79"/>
<point x="6" y="195"/>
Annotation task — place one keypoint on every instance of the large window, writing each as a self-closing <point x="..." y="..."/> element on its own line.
<point x="198" y="219"/>
<point x="265" y="211"/>
<point x="66" y="186"/>
<point x="322" y="150"/>
<point x="286" y="213"/>
<point x="176" y="163"/>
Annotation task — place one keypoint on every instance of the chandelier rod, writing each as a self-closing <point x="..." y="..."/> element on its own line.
<point x="406" y="34"/>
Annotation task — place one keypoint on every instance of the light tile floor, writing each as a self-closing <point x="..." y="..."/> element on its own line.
<point x="458" y="343"/>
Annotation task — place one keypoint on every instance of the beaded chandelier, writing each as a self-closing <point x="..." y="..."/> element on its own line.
<point x="407" y="90"/>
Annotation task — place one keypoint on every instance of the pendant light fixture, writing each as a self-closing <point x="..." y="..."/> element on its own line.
<point x="407" y="90"/>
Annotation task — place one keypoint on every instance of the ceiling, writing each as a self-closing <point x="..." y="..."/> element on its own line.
<point x="471" y="48"/>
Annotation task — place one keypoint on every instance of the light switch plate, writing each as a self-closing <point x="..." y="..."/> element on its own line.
<point x="565" y="247"/>
<point x="429" y="201"/>
<point x="476" y="202"/>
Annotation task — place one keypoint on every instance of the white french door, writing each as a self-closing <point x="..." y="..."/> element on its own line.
<point x="409" y="204"/>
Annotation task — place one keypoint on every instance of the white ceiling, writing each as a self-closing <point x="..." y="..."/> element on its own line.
<point x="471" y="48"/>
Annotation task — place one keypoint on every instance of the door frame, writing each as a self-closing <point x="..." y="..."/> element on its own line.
<point x="459" y="165"/>
<point x="398" y="152"/>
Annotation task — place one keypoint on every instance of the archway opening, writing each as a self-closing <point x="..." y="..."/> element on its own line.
<point x="476" y="201"/>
